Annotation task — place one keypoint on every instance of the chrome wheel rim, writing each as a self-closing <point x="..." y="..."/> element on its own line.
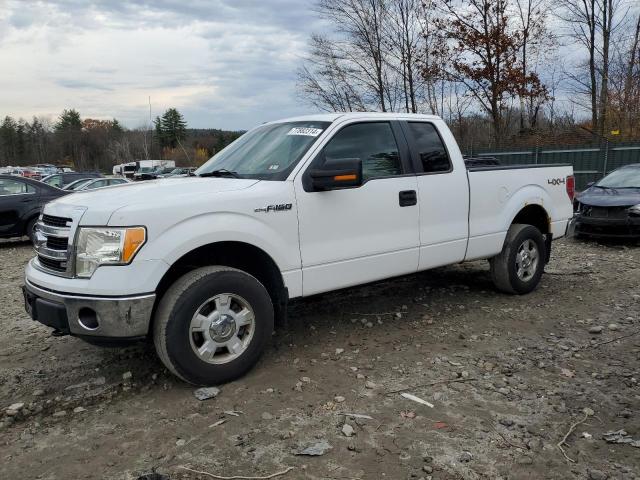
<point x="222" y="328"/>
<point x="527" y="258"/>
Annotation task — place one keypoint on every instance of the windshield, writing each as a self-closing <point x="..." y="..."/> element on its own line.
<point x="622" y="178"/>
<point x="268" y="152"/>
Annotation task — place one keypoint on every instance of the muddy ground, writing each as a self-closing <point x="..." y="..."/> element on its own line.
<point x="507" y="377"/>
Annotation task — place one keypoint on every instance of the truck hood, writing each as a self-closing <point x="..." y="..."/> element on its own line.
<point x="100" y="204"/>
<point x="610" y="197"/>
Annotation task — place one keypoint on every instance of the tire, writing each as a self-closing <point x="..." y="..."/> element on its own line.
<point x="505" y="266"/>
<point x="229" y="296"/>
<point x="30" y="230"/>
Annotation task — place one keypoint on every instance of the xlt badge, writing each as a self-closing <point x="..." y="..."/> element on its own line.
<point x="275" y="208"/>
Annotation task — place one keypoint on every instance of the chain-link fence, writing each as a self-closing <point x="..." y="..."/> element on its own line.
<point x="590" y="162"/>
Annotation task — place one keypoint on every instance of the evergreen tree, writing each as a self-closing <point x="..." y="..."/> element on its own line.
<point x="21" y="140"/>
<point x="171" y="128"/>
<point x="116" y="128"/>
<point x="8" y="141"/>
<point x="69" y="120"/>
<point x="68" y="130"/>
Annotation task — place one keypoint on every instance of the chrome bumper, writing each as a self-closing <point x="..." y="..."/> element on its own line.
<point x="107" y="317"/>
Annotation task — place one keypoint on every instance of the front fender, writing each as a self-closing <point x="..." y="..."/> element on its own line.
<point x="279" y="238"/>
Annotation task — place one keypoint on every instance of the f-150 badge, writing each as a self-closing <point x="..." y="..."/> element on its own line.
<point x="275" y="208"/>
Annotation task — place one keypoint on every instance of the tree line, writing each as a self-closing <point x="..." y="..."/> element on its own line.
<point x="489" y="66"/>
<point x="92" y="144"/>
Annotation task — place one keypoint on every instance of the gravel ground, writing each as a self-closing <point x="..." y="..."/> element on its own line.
<point x="508" y="378"/>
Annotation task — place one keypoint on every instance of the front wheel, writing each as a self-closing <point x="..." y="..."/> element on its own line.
<point x="518" y="267"/>
<point x="212" y="325"/>
<point x="30" y="230"/>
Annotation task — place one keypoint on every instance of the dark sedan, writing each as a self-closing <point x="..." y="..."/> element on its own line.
<point x="21" y="200"/>
<point x="611" y="206"/>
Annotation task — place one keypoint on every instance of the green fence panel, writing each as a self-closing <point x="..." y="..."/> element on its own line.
<point x="590" y="162"/>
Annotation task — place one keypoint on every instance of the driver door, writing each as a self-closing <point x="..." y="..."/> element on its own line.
<point x="357" y="235"/>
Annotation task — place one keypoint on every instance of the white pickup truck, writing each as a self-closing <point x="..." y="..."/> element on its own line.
<point x="203" y="264"/>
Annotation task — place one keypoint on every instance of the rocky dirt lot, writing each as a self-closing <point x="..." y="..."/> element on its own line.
<point x="509" y="377"/>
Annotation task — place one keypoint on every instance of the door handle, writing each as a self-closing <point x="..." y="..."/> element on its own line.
<point x="407" y="198"/>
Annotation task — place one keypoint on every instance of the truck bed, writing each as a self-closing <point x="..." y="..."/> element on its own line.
<point x="498" y="193"/>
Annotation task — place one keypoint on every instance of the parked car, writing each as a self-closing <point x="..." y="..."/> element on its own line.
<point x="62" y="179"/>
<point x="145" y="174"/>
<point x="100" y="183"/>
<point x="481" y="161"/>
<point x="46" y="168"/>
<point x="32" y="173"/>
<point x="21" y="200"/>
<point x="76" y="184"/>
<point x="178" y="172"/>
<point x="610" y="207"/>
<point x="293" y="208"/>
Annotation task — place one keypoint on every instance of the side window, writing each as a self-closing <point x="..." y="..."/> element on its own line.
<point x="373" y="143"/>
<point x="14" y="187"/>
<point x="98" y="184"/>
<point x="55" y="181"/>
<point x="431" y="151"/>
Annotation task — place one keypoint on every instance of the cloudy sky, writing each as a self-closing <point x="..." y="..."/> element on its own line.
<point x="223" y="63"/>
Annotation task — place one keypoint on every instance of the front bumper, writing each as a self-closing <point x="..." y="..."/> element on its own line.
<point x="597" y="227"/>
<point x="90" y="316"/>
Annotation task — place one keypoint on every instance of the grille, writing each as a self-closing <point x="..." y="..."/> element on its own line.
<point x="57" y="265"/>
<point x="55" y="221"/>
<point x="607" y="212"/>
<point x="52" y="245"/>
<point x="57" y="243"/>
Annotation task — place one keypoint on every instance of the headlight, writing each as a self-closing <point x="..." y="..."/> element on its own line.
<point x="106" y="246"/>
<point x="635" y="210"/>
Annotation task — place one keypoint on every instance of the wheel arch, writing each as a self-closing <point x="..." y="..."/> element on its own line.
<point x="243" y="256"/>
<point x="34" y="214"/>
<point x="534" y="214"/>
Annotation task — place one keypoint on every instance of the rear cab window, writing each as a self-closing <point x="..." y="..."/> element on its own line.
<point x="428" y="150"/>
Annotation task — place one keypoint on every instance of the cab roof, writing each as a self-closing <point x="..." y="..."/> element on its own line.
<point x="332" y="117"/>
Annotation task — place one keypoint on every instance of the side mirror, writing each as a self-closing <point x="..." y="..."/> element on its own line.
<point x="337" y="174"/>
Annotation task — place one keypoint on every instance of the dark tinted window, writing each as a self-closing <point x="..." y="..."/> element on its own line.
<point x="431" y="151"/>
<point x="373" y="143"/>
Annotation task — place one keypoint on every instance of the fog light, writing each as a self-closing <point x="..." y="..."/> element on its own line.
<point x="88" y="318"/>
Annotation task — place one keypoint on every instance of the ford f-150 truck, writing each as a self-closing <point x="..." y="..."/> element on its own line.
<point x="204" y="264"/>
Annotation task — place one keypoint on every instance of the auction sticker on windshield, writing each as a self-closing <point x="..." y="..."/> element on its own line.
<point x="308" y="132"/>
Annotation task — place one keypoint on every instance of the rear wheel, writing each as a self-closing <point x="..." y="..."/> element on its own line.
<point x="212" y="325"/>
<point x="518" y="268"/>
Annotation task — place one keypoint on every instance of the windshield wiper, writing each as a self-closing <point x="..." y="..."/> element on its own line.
<point x="221" y="172"/>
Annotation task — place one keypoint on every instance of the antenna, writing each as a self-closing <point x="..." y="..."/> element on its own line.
<point x="146" y="150"/>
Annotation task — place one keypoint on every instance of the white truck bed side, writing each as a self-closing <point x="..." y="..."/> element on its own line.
<point x="497" y="194"/>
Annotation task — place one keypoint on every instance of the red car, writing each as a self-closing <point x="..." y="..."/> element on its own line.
<point x="32" y="174"/>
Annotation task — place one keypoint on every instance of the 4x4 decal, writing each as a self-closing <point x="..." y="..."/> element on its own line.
<point x="555" y="181"/>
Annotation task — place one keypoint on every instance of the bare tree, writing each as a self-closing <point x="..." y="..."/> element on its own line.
<point x="592" y="24"/>
<point x="484" y="46"/>
<point x="536" y="40"/>
<point x="624" y="85"/>
<point x="405" y="40"/>
<point x="361" y="24"/>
